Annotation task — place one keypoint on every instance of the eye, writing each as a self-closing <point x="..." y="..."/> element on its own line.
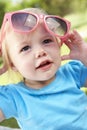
<point x="47" y="41"/>
<point x="26" y="48"/>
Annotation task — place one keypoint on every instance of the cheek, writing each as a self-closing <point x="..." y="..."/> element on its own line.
<point x="26" y="69"/>
<point x="56" y="55"/>
<point x="24" y="65"/>
<point x="55" y="50"/>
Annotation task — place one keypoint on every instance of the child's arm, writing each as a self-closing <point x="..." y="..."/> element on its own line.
<point x="78" y="48"/>
<point x="1" y="116"/>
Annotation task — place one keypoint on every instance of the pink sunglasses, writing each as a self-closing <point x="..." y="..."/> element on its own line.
<point x="24" y="22"/>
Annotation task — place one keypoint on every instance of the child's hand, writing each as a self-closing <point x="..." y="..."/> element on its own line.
<point x="77" y="46"/>
<point x="3" y="69"/>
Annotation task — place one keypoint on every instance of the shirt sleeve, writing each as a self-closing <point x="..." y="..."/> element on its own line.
<point x="7" y="102"/>
<point x="79" y="72"/>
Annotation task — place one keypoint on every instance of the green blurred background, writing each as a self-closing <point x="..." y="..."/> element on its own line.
<point x="75" y="11"/>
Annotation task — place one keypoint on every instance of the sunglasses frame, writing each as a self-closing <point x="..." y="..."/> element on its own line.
<point x="8" y="16"/>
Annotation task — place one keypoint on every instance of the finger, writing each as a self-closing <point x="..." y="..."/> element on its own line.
<point x="76" y="37"/>
<point x="65" y="57"/>
<point x="69" y="44"/>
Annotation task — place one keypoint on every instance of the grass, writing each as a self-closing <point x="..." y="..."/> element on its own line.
<point x="79" y="22"/>
<point x="9" y="123"/>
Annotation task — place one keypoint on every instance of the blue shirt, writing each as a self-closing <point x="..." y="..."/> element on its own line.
<point x="61" y="105"/>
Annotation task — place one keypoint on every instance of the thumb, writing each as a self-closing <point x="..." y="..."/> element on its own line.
<point x="65" y="57"/>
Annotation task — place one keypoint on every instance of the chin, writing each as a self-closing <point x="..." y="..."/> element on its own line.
<point x="48" y="78"/>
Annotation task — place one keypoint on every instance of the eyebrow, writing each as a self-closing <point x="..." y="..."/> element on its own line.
<point x="23" y="40"/>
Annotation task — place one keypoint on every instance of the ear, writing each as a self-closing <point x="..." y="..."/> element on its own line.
<point x="59" y="42"/>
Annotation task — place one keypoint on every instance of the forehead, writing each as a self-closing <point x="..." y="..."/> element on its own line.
<point x="14" y="37"/>
<point x="40" y="31"/>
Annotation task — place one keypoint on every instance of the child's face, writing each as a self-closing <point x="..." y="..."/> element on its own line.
<point x="35" y="55"/>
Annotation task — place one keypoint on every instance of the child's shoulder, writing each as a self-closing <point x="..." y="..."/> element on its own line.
<point x="10" y="87"/>
<point x="73" y="64"/>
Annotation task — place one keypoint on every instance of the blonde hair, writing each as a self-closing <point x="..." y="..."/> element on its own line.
<point x="35" y="10"/>
<point x="4" y="47"/>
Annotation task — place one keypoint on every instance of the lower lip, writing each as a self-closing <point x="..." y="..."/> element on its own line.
<point x="46" y="67"/>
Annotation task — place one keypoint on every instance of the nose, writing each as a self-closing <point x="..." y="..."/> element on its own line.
<point x="40" y="53"/>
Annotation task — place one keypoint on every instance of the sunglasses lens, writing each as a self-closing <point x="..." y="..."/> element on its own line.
<point x="56" y="25"/>
<point x="23" y="21"/>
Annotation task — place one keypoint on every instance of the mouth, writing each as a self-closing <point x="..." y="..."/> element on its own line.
<point x="44" y="65"/>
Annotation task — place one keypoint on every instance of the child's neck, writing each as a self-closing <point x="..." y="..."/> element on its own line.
<point x="38" y="84"/>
